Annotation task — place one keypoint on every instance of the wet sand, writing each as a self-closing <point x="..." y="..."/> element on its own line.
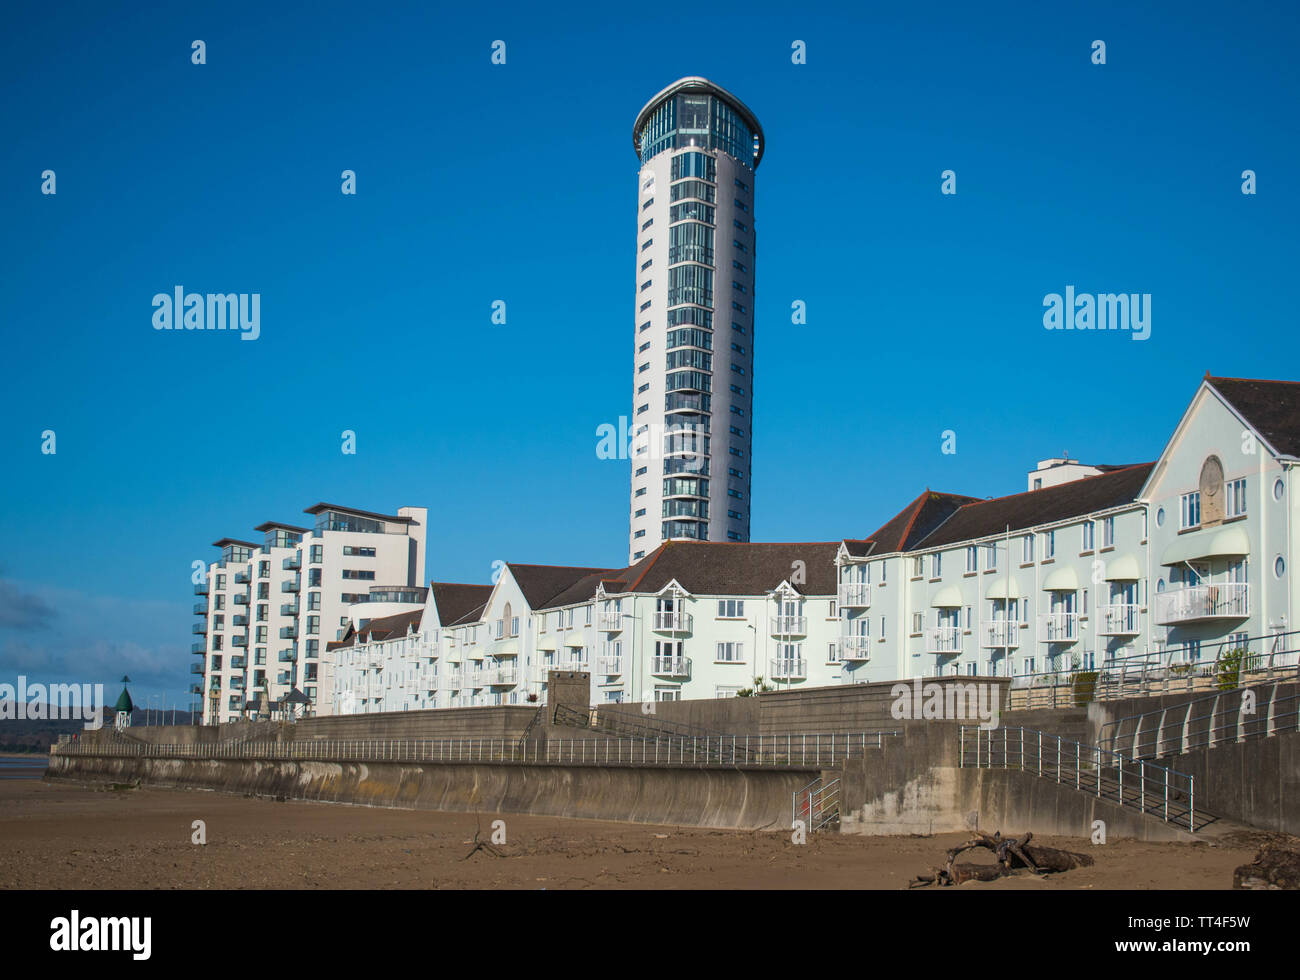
<point x="63" y="835"/>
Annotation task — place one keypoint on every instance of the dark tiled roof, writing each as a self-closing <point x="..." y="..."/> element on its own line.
<point x="455" y="601"/>
<point x="542" y="583"/>
<point x="902" y="531"/>
<point x="736" y="568"/>
<point x="1272" y="407"/>
<point x="383" y="628"/>
<point x="985" y="518"/>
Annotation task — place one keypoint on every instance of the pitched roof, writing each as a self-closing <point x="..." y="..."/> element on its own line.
<point x="384" y="628"/>
<point x="455" y="601"/>
<point x="916" y="520"/>
<point x="737" y="568"/>
<point x="541" y="583"/>
<point x="985" y="518"/>
<point x="1272" y="407"/>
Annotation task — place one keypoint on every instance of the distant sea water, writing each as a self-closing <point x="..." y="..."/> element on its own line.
<point x="29" y="767"/>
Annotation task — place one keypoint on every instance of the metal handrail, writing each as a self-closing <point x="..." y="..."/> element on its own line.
<point x="1108" y="775"/>
<point x="803" y="750"/>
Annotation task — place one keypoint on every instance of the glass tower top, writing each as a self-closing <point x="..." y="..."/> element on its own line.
<point x="695" y="112"/>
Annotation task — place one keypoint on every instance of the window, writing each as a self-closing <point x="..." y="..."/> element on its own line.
<point x="733" y="535"/>
<point x="1049" y="545"/>
<point x="736" y="452"/>
<point x="1108" y="532"/>
<point x="737" y="327"/>
<point x="1189" y="514"/>
<point x="359" y="574"/>
<point x="936" y="565"/>
<point x="640" y="492"/>
<point x="738" y="245"/>
<point x="640" y="513"/>
<point x="647" y="204"/>
<point x="737" y="390"/>
<point x="735" y="515"/>
<point x="972" y="559"/>
<point x="738" y="266"/>
<point x="918" y="566"/>
<point x="730" y="653"/>
<point x="639" y="534"/>
<point x="739" y="474"/>
<point x="737" y="410"/>
<point x="731" y="608"/>
<point x="741" y="205"/>
<point x="1027" y="548"/>
<point x="1089" y="535"/>
<point x="647" y="224"/>
<point x="918" y="623"/>
<point x="648" y="242"/>
<point x="641" y="471"/>
<point x="740" y="225"/>
<point x="741" y="184"/>
<point x="1235" y="499"/>
<point x="990" y="557"/>
<point x="735" y="493"/>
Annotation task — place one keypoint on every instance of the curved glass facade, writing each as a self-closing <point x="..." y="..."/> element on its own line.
<point x="697" y="119"/>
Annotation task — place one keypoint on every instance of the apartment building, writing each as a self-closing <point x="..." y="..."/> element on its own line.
<point x="268" y="606"/>
<point x="693" y="358"/>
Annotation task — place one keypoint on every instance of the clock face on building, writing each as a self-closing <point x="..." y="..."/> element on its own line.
<point x="1211" y="476"/>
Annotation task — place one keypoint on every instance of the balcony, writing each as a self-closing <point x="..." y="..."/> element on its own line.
<point x="200" y="647"/>
<point x="200" y="627"/>
<point x="292" y="563"/>
<point x="240" y="619"/>
<point x="1058" y="627"/>
<point x="672" y="622"/>
<point x="943" y="640"/>
<point x="196" y="688"/>
<point x="289" y="609"/>
<point x="788" y="670"/>
<point x="201" y="588"/>
<point x="289" y="585"/>
<point x="789" y="625"/>
<point x="243" y="577"/>
<point x="501" y="677"/>
<point x="241" y="598"/>
<point x="236" y="663"/>
<point x="288" y="632"/>
<point x="609" y="622"/>
<point x="239" y="641"/>
<point x="200" y="609"/>
<point x="197" y="668"/>
<point x="1231" y="600"/>
<point x="670" y="666"/>
<point x="1000" y="634"/>
<point x="1118" y="620"/>
<point x="609" y="666"/>
<point x="854" y="595"/>
<point x="855" y="649"/>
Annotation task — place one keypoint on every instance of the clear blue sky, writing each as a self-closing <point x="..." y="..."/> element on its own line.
<point x="518" y="182"/>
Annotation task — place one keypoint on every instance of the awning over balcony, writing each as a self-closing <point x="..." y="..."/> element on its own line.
<point x="1003" y="588"/>
<point x="1062" y="580"/>
<point x="1227" y="541"/>
<point x="948" y="597"/>
<point x="575" y="640"/>
<point x="1123" y="569"/>
<point x="506" y="648"/>
<point x="546" y="643"/>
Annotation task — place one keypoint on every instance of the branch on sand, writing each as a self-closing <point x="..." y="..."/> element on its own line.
<point x="1013" y="854"/>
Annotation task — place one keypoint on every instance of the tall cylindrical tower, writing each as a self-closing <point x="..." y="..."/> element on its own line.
<point x="693" y="374"/>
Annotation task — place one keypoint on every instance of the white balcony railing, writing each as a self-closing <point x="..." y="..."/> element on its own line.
<point x="1118" y="619"/>
<point x="609" y="665"/>
<point x="671" y="666"/>
<point x="854" y="648"/>
<point x="788" y="670"/>
<point x="1058" y="627"/>
<point x="999" y="633"/>
<point x="854" y="595"/>
<point x="943" y="639"/>
<point x="1230" y="600"/>
<point x="789" y="625"/>
<point x="672" y="622"/>
<point x="609" y="622"/>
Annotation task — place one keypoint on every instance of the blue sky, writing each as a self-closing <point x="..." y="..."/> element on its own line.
<point x="518" y="182"/>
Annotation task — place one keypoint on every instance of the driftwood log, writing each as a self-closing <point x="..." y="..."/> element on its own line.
<point x="1012" y="854"/>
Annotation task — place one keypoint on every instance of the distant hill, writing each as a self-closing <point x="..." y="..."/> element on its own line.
<point x="37" y="735"/>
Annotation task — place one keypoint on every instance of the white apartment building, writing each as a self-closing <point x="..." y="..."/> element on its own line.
<point x="693" y="362"/>
<point x="1174" y="559"/>
<point x="270" y="606"/>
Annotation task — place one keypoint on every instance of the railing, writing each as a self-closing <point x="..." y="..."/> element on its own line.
<point x="1265" y="658"/>
<point x="854" y="595"/>
<point x="1118" y="619"/>
<point x="1222" y="718"/>
<point x="1058" y="627"/>
<point x="609" y="622"/>
<point x="200" y="647"/>
<point x="788" y="670"/>
<point x="1108" y="775"/>
<point x="289" y="585"/>
<point x="795" y="751"/>
<point x="789" y="625"/>
<point x="817" y="804"/>
<point x="943" y="639"/>
<point x="671" y="666"/>
<point x="200" y="627"/>
<point x="1001" y="633"/>
<point x="1228" y="600"/>
<point x="672" y="622"/>
<point x="855" y="647"/>
<point x="609" y="665"/>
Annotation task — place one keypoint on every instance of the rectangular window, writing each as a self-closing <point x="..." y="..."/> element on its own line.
<point x="648" y="223"/>
<point x="1049" y="544"/>
<point x="936" y="565"/>
<point x="972" y="559"/>
<point x="1190" y="511"/>
<point x="990" y="557"/>
<point x="1027" y="548"/>
<point x="1108" y="532"/>
<point x="648" y="242"/>
<point x="1235" y="498"/>
<point x="731" y="608"/>
<point x="1089" y="539"/>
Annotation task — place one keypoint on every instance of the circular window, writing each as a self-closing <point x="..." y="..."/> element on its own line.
<point x="1278" y="489"/>
<point x="1279" y="566"/>
<point x="1160" y="517"/>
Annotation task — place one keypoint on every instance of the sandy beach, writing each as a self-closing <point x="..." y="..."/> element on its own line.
<point x="61" y="835"/>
